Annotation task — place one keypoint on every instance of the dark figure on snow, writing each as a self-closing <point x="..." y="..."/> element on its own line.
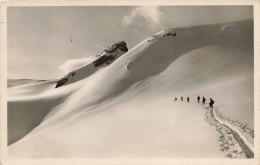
<point x="175" y="98"/>
<point x="198" y="98"/>
<point x="188" y="99"/>
<point x="181" y="98"/>
<point x="211" y="102"/>
<point x="203" y="100"/>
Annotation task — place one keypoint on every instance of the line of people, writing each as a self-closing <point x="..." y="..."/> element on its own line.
<point x="188" y="99"/>
<point x="211" y="101"/>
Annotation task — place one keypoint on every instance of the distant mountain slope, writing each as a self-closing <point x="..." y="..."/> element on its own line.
<point x="16" y="82"/>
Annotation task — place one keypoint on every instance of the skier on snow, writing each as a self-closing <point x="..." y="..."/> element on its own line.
<point x="188" y="99"/>
<point x="181" y="98"/>
<point x="203" y="100"/>
<point x="198" y="98"/>
<point x="211" y="102"/>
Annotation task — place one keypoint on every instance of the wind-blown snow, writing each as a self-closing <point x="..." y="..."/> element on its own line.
<point x="74" y="64"/>
<point x="121" y="111"/>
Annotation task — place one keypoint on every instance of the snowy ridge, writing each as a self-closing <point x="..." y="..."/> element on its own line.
<point x="104" y="59"/>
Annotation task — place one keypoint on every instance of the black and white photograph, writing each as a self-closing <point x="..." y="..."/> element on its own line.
<point x="130" y="82"/>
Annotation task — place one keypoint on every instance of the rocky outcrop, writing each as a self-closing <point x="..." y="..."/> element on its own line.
<point x="105" y="58"/>
<point x="111" y="53"/>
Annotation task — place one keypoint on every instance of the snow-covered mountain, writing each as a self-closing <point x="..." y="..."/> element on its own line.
<point x="104" y="59"/>
<point x="126" y="109"/>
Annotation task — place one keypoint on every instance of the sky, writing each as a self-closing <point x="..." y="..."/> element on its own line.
<point x="43" y="42"/>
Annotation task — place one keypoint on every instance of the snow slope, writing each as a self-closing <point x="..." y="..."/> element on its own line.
<point x="127" y="110"/>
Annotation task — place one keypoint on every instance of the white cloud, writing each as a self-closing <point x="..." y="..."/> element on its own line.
<point x="73" y="64"/>
<point x="151" y="14"/>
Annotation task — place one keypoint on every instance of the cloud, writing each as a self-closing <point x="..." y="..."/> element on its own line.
<point x="150" y="14"/>
<point x="73" y="64"/>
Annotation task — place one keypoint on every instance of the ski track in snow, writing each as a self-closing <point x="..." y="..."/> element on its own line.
<point x="236" y="138"/>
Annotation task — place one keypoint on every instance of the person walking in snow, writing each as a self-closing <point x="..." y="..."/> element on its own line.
<point x="203" y="100"/>
<point x="188" y="99"/>
<point x="181" y="98"/>
<point x="198" y="98"/>
<point x="211" y="102"/>
<point x="175" y="98"/>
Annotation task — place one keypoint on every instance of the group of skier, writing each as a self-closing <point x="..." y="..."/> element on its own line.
<point x="211" y="101"/>
<point x="188" y="99"/>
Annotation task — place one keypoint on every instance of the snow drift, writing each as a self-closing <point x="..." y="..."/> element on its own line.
<point x="126" y="109"/>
